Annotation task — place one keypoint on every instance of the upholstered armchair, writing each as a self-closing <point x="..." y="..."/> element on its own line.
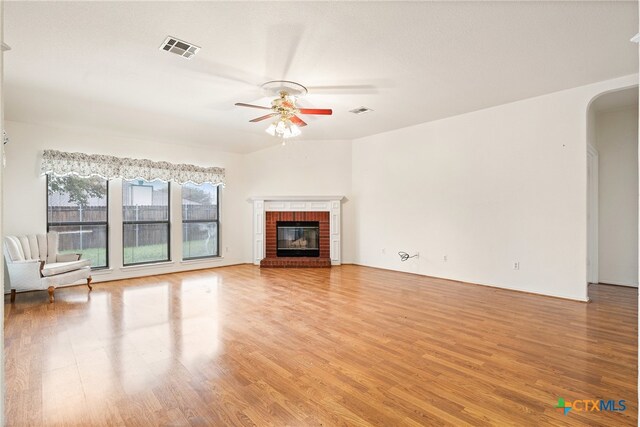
<point x="33" y="263"/>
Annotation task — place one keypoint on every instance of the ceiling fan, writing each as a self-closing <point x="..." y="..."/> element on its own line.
<point x="287" y="123"/>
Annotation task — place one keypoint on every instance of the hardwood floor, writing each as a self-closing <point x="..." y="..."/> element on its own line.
<point x="341" y="346"/>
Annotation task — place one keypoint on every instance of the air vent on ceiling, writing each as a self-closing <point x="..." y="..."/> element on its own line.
<point x="179" y="47"/>
<point x="361" y="110"/>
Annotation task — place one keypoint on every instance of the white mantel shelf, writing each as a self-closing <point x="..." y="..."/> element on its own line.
<point x="262" y="204"/>
<point x="296" y="198"/>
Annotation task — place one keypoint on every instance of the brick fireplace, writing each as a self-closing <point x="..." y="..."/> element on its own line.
<point x="272" y="259"/>
<point x="306" y="222"/>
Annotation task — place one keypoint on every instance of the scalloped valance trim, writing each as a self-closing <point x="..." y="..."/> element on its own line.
<point x="65" y="163"/>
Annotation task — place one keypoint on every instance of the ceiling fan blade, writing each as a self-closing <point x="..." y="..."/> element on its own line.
<point x="242" y="104"/>
<point x="282" y="44"/>
<point x="259" y="119"/>
<point x="318" y="111"/>
<point x="298" y="121"/>
<point x="215" y="72"/>
<point x="344" y="89"/>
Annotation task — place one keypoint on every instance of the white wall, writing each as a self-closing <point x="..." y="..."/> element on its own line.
<point x="299" y="168"/>
<point x="617" y="144"/>
<point x="2" y="383"/>
<point x="487" y="189"/>
<point x="25" y="192"/>
<point x="305" y="168"/>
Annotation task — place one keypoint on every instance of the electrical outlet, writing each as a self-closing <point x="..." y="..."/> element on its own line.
<point x="384" y="251"/>
<point x="516" y="265"/>
<point x="226" y="249"/>
<point x="444" y="258"/>
<point x="417" y="254"/>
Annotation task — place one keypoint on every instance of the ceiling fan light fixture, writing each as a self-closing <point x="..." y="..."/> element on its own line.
<point x="271" y="130"/>
<point x="283" y="129"/>
<point x="295" y="130"/>
<point x="284" y="107"/>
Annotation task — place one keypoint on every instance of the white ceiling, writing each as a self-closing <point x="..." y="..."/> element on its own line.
<point x="97" y="64"/>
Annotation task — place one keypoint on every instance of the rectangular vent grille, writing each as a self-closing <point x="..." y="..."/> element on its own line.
<point x="361" y="110"/>
<point x="179" y="47"/>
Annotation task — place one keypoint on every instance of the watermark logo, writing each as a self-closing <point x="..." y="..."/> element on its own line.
<point x="562" y="405"/>
<point x="589" y="405"/>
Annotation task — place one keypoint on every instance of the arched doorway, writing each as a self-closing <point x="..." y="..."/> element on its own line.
<point x="612" y="188"/>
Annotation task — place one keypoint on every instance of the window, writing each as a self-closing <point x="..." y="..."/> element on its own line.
<point x="200" y="222"/>
<point x="77" y="208"/>
<point x="145" y="214"/>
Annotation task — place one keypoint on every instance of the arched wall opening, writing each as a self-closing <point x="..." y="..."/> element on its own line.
<point x="612" y="188"/>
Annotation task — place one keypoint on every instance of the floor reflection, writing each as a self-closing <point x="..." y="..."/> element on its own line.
<point x="123" y="341"/>
<point x="240" y="345"/>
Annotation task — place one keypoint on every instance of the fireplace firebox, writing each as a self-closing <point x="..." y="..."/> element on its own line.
<point x="298" y="239"/>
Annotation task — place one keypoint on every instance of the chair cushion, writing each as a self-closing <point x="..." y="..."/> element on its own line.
<point x="68" y="278"/>
<point x="53" y="268"/>
<point x="67" y="257"/>
<point x="52" y="246"/>
<point x="14" y="248"/>
<point x="33" y="245"/>
<point x="26" y="249"/>
<point x="42" y="246"/>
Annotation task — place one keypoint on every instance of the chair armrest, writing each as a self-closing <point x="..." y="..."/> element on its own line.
<point x="25" y="274"/>
<point x="67" y="257"/>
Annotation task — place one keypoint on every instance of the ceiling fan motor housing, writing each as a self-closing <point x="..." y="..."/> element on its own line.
<point x="285" y="105"/>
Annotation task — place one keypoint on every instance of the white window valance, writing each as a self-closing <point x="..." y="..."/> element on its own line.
<point x="64" y="163"/>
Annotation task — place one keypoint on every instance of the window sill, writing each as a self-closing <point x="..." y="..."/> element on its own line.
<point x="100" y="271"/>
<point x="202" y="260"/>
<point x="146" y="266"/>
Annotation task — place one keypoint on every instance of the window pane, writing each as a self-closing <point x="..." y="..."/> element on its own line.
<point x="88" y="240"/>
<point x="76" y="199"/>
<point x="199" y="239"/>
<point x="200" y="216"/>
<point x="145" y="200"/>
<point x="199" y="202"/>
<point x="146" y="243"/>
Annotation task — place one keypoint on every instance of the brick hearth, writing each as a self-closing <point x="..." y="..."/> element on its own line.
<point x="272" y="260"/>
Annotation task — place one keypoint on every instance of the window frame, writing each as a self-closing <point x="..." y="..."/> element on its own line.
<point x="81" y="223"/>
<point x="199" y="221"/>
<point x="168" y="222"/>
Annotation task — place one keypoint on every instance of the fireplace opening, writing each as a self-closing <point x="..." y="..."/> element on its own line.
<point x="298" y="238"/>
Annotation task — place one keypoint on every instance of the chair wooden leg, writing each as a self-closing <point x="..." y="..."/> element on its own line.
<point x="13" y="295"/>
<point x="89" y="279"/>
<point x="51" y="289"/>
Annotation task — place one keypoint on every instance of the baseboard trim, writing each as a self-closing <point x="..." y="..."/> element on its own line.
<point x="364" y="266"/>
<point x="182" y="270"/>
<point x="115" y="279"/>
<point x="616" y="283"/>
<point x="522" y="291"/>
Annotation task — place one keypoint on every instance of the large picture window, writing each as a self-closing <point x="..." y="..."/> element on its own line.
<point x="77" y="208"/>
<point x="200" y="221"/>
<point x="145" y="214"/>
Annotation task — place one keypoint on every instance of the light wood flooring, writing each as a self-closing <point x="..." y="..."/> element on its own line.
<point x="342" y="346"/>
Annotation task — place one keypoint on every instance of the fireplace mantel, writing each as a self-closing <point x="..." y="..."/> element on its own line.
<point x="262" y="204"/>
<point x="296" y="198"/>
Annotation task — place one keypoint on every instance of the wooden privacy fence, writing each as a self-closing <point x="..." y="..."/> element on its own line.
<point x="78" y="237"/>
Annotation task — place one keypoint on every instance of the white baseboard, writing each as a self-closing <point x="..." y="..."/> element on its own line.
<point x="496" y="286"/>
<point x="617" y="283"/>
